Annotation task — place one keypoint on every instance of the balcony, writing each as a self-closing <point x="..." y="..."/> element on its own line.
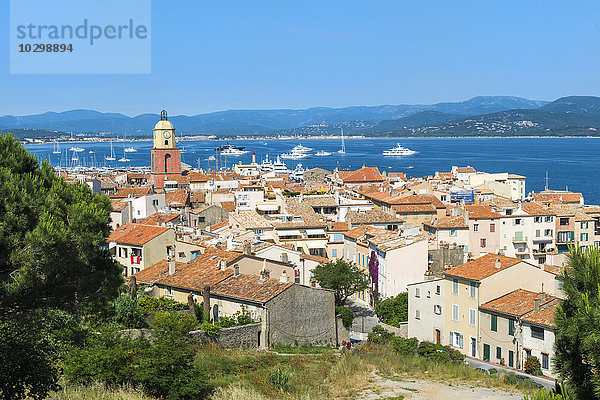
<point x="521" y="251"/>
<point x="519" y="239"/>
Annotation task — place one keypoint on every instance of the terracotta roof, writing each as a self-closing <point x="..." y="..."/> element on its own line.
<point x="156" y="272"/>
<point x="249" y="220"/>
<point x="228" y="205"/>
<point x="196" y="177"/>
<point x="567" y="197"/>
<point x="197" y="196"/>
<point x="482" y="267"/>
<point x="182" y="180"/>
<point x="217" y="226"/>
<point x="177" y="198"/>
<point x="131" y="192"/>
<point x="365" y="174"/>
<point x="136" y="233"/>
<point x="371" y="217"/>
<point x="543" y="317"/>
<point x="457" y="222"/>
<point x="338" y="227"/>
<point x="420" y="199"/>
<point x="414" y="208"/>
<point x="311" y="257"/>
<point x="536" y="208"/>
<point x="250" y="287"/>
<point x="118" y="205"/>
<point x="481" y="212"/>
<point x="162" y="217"/>
<point x="360" y="231"/>
<point x="400" y="175"/>
<point x="465" y="169"/>
<point x="517" y="303"/>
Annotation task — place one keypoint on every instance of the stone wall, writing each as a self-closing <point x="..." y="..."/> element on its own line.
<point x="402" y="331"/>
<point x="246" y="336"/>
<point x="343" y="334"/>
<point x="302" y="316"/>
<point x="445" y="255"/>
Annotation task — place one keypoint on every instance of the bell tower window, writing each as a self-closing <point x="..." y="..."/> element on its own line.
<point x="166" y="142"/>
<point x="168" y="166"/>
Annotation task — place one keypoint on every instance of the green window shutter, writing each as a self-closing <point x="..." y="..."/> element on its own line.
<point x="486" y="352"/>
<point x="511" y="357"/>
<point x="498" y="353"/>
<point x="511" y="327"/>
<point x="495" y="323"/>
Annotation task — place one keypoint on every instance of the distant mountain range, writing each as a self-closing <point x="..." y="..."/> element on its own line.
<point x="483" y="115"/>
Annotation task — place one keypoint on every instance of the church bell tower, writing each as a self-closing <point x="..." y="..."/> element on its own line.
<point x="165" y="155"/>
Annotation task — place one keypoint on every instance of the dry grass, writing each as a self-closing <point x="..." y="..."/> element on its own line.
<point x="98" y="391"/>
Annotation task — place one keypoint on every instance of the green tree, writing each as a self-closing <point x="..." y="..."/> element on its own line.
<point x="343" y="277"/>
<point x="393" y="310"/>
<point x="577" y="321"/>
<point x="54" y="256"/>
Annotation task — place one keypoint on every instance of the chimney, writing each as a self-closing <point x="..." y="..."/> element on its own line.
<point x="497" y="264"/>
<point x="171" y="263"/>
<point x="536" y="304"/>
<point x="284" y="277"/>
<point x="236" y="270"/>
<point x="247" y="249"/>
<point x="223" y="265"/>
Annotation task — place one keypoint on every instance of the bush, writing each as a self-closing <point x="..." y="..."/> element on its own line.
<point x="240" y="318"/>
<point x="533" y="366"/>
<point x="347" y="316"/>
<point x="404" y="346"/>
<point x="439" y="352"/>
<point x="153" y="304"/>
<point x="173" y="325"/>
<point x="128" y="313"/>
<point x="380" y="335"/>
<point x="209" y="329"/>
<point x="393" y="310"/>
<point x="280" y="378"/>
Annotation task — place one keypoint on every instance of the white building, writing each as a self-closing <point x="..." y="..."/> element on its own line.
<point x="426" y="310"/>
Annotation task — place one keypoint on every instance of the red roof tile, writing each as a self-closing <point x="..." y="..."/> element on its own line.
<point x="482" y="267"/>
<point x="136" y="233"/>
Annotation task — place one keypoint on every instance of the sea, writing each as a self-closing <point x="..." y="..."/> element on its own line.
<point x="569" y="163"/>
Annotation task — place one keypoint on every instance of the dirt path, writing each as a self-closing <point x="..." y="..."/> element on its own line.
<point x="384" y="388"/>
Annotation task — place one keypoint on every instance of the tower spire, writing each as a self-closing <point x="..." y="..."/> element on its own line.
<point x="163" y="115"/>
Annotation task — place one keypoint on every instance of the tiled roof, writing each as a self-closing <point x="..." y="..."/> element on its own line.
<point x="360" y="231"/>
<point x="131" y="192"/>
<point x="481" y="212"/>
<point x="311" y="257"/>
<point x="517" y="303"/>
<point x="156" y="272"/>
<point x="371" y="217"/>
<point x="420" y="199"/>
<point x="558" y="197"/>
<point x="365" y="174"/>
<point x="536" y="208"/>
<point x="196" y="177"/>
<point x="177" y="198"/>
<point x="197" y="196"/>
<point x="457" y="222"/>
<point x="414" y="208"/>
<point x="249" y="220"/>
<point x="319" y="201"/>
<point x="338" y="227"/>
<point x="482" y="267"/>
<point x="228" y="205"/>
<point x="515" y="176"/>
<point x="543" y="317"/>
<point x="250" y="287"/>
<point x="182" y="180"/>
<point x="465" y="169"/>
<point x="118" y="205"/>
<point x="162" y="217"/>
<point x="400" y="175"/>
<point x="218" y="225"/>
<point x="136" y="233"/>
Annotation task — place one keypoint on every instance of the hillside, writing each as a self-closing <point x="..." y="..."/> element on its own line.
<point x="247" y="122"/>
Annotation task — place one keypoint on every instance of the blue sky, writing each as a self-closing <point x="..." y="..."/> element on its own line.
<point x="218" y="55"/>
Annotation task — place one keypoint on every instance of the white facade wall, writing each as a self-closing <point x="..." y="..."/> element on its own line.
<point x="426" y="310"/>
<point x="145" y="206"/>
<point x="401" y="266"/>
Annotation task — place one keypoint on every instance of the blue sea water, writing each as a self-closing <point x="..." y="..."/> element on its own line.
<point x="572" y="163"/>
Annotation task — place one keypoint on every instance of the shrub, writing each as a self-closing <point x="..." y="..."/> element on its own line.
<point x="405" y="346"/>
<point x="240" y="318"/>
<point x="128" y="313"/>
<point x="347" y="316"/>
<point x="380" y="335"/>
<point x="148" y="303"/>
<point x="533" y="366"/>
<point x="280" y="378"/>
<point x="439" y="352"/>
<point x="173" y="325"/>
<point x="393" y="310"/>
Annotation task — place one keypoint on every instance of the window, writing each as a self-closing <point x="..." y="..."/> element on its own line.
<point x="417" y="292"/>
<point x="564" y="221"/>
<point x="498" y="353"/>
<point x="494" y="326"/>
<point x="169" y="291"/>
<point x="511" y="327"/>
<point x="438" y="289"/>
<point x="456" y="339"/>
<point x="527" y="353"/>
<point x="155" y="202"/>
<point x="537" y="233"/>
<point x="181" y="254"/>
<point x="564" y="237"/>
<point x="509" y="211"/>
<point x="472" y="316"/>
<point x="453" y="232"/>
<point x="125" y="271"/>
<point x="584" y="225"/>
<point x="518" y="221"/>
<point x="548" y="219"/>
<point x="454" y="312"/>
<point x="437" y="309"/>
<point x="482" y="243"/>
<point x="537" y="219"/>
<point x="511" y="358"/>
<point x="123" y="252"/>
<point x="417" y="314"/>
<point x="194" y="254"/>
<point x="548" y="232"/>
<point x="537" y="333"/>
<point x="333" y="252"/>
<point x="583" y="237"/>
<point x="472" y="290"/>
<point x="486" y="352"/>
<point x="454" y="286"/>
<point x="545" y="361"/>
<point x="475" y="227"/>
<point x="492" y="228"/>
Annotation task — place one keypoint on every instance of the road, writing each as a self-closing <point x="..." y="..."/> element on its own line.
<point x="364" y="319"/>
<point x="546" y="382"/>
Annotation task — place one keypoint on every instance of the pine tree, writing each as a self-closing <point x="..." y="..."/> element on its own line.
<point x="577" y="344"/>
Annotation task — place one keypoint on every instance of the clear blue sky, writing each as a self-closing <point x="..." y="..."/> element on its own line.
<point x="217" y="55"/>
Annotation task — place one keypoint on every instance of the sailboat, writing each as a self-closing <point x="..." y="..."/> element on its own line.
<point x="56" y="149"/>
<point x="343" y="149"/>
<point x="112" y="153"/>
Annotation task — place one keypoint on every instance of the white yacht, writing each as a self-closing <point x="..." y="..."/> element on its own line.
<point x="294" y="155"/>
<point x="343" y="149"/>
<point x="301" y="149"/>
<point x="279" y="167"/>
<point x="130" y="150"/>
<point x="322" y="153"/>
<point x="76" y="149"/>
<point x="124" y="159"/>
<point x="230" y="150"/>
<point x="112" y="153"/>
<point x="56" y="148"/>
<point x="298" y="173"/>
<point x="399" y="151"/>
<point x="266" y="165"/>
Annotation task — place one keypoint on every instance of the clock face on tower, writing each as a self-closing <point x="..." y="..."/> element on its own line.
<point x="166" y="134"/>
